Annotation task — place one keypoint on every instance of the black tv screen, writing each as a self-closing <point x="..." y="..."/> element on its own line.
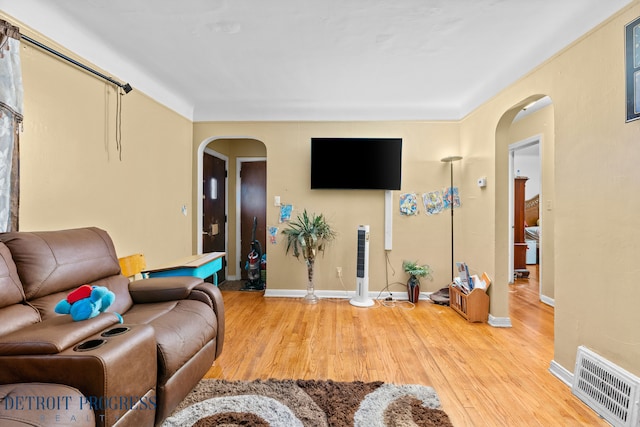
<point x="356" y="163"/>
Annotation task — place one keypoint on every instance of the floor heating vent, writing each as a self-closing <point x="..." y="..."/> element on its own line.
<point x="608" y="389"/>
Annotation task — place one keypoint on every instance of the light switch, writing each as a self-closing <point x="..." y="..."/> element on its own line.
<point x="276" y="201"/>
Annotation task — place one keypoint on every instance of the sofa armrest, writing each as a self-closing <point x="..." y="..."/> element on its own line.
<point x="117" y="375"/>
<point x="54" y="335"/>
<point x="159" y="289"/>
<point x="211" y="295"/>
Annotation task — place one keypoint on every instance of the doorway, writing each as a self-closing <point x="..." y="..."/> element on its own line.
<point x="525" y="139"/>
<point x="214" y="206"/>
<point x="252" y="207"/>
<point x="232" y="150"/>
<point x="525" y="162"/>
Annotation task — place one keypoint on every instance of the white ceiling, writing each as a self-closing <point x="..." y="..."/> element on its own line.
<point x="316" y="59"/>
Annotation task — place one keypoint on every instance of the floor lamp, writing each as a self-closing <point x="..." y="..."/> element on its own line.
<point x="450" y="160"/>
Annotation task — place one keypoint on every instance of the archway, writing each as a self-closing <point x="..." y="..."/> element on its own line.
<point x="231" y="148"/>
<point x="515" y="131"/>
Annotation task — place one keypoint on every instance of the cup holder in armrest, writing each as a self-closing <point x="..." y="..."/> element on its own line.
<point x="90" y="345"/>
<point x="115" y="331"/>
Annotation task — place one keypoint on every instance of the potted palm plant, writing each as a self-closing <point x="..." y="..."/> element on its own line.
<point x="307" y="236"/>
<point x="415" y="271"/>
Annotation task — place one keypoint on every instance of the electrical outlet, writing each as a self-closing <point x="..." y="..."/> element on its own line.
<point x="339" y="271"/>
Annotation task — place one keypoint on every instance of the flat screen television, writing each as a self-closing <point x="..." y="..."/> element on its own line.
<point x="356" y="163"/>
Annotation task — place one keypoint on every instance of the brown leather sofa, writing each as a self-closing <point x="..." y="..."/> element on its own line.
<point x="134" y="373"/>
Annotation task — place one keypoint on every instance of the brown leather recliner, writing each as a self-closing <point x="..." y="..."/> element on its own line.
<point x="134" y="373"/>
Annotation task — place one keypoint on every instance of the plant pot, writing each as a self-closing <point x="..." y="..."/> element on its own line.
<point x="413" y="289"/>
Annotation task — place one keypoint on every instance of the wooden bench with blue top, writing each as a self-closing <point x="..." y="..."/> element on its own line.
<point x="201" y="265"/>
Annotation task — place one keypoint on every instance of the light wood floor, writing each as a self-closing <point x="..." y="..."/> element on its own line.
<point x="484" y="376"/>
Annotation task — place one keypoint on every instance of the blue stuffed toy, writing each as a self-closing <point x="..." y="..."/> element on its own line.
<point x="86" y="302"/>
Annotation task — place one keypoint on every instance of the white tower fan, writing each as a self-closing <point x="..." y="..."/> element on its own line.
<point x="361" y="299"/>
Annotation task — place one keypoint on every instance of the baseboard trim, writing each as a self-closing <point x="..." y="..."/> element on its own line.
<point x="549" y="301"/>
<point x="297" y="293"/>
<point x="499" y="322"/>
<point x="561" y="373"/>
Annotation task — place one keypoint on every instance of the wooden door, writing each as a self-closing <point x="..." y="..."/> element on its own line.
<point x="253" y="203"/>
<point x="214" y="175"/>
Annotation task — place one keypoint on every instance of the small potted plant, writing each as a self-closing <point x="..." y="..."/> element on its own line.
<point x="415" y="270"/>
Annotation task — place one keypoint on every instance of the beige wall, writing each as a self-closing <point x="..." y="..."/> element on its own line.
<point x="594" y="206"/>
<point x="71" y="174"/>
<point x="422" y="237"/>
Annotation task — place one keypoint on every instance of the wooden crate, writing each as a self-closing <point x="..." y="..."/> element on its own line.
<point x="473" y="306"/>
